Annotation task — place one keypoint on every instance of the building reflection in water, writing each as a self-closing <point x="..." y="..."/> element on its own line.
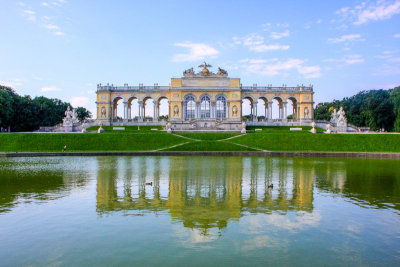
<point x="204" y="192"/>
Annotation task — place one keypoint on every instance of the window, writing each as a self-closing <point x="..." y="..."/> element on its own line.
<point x="205" y="107"/>
<point x="221" y="107"/>
<point x="190" y="107"/>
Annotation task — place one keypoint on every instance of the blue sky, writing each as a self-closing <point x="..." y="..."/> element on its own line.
<point x="63" y="48"/>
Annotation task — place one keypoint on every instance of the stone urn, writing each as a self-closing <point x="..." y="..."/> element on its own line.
<point x="313" y="130"/>
<point x="328" y="127"/>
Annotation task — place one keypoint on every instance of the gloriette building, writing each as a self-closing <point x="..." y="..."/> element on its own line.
<point x="205" y="100"/>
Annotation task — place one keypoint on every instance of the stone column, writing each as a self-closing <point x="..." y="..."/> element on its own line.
<point x="154" y="110"/>
<point x="181" y="110"/>
<point x="284" y="111"/>
<point x="255" y="111"/>
<point x="140" y="110"/>
<point x="197" y="111"/>
<point x="213" y="110"/>
<point x="269" y="110"/>
<point x="125" y="111"/>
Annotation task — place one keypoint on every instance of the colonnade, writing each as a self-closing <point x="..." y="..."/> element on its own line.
<point x="282" y="113"/>
<point x="141" y="110"/>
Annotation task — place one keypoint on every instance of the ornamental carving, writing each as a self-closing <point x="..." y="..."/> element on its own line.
<point x="205" y="72"/>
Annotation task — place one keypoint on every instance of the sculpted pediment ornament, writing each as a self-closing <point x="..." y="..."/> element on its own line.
<point x="205" y="72"/>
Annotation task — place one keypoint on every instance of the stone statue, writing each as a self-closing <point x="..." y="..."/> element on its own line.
<point x="341" y="117"/>
<point x="74" y="116"/>
<point x="334" y="117"/>
<point x="100" y="130"/>
<point x="222" y="72"/>
<point x="188" y="72"/>
<point x="168" y="127"/>
<point x="313" y="130"/>
<point x="243" y="127"/>
<point x="328" y="127"/>
<point x="84" y="128"/>
<point x="176" y="112"/>
<point x="235" y="111"/>
<point x="306" y="113"/>
<point x="103" y="112"/>
<point x="68" y="119"/>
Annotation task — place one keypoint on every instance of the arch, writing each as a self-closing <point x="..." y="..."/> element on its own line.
<point x="248" y="108"/>
<point x="147" y="106"/>
<point x="117" y="112"/>
<point x="262" y="107"/>
<point x="161" y="97"/>
<point x="162" y="108"/>
<point x="277" y="107"/>
<point x="220" y="94"/>
<point x="292" y="97"/>
<point x="220" y="107"/>
<point x="249" y="97"/>
<point x="205" y="94"/>
<point x="293" y="107"/>
<point x="189" y="107"/>
<point x="263" y="97"/>
<point x="205" y="106"/>
<point x="190" y="94"/>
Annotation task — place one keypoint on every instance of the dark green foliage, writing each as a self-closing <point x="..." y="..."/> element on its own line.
<point x="83" y="114"/>
<point x="376" y="109"/>
<point x="22" y="113"/>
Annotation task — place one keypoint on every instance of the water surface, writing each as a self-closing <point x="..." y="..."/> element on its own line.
<point x="199" y="211"/>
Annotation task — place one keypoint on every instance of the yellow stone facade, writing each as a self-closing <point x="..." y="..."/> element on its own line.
<point x="204" y="97"/>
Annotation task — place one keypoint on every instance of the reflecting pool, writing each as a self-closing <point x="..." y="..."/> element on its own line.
<point x="199" y="211"/>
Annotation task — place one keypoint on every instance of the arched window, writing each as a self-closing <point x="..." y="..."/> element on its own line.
<point x="205" y="107"/>
<point x="190" y="107"/>
<point x="221" y="107"/>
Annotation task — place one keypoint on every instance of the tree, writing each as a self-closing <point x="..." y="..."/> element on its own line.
<point x="83" y="114"/>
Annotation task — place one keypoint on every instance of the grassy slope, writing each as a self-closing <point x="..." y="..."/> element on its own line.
<point x="209" y="146"/>
<point x="115" y="141"/>
<point x="303" y="141"/>
<point x="273" y="139"/>
<point x="208" y="136"/>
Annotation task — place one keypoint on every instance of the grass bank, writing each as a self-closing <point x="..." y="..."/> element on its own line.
<point x="78" y="142"/>
<point x="269" y="138"/>
<point x="304" y="141"/>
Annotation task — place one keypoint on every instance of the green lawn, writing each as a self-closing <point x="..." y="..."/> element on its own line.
<point x="127" y="128"/>
<point x="304" y="141"/>
<point x="116" y="141"/>
<point x="272" y="139"/>
<point x="209" y="146"/>
<point x="208" y="136"/>
<point x="282" y="128"/>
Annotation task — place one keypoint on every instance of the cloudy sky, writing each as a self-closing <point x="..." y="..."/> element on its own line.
<point x="63" y="48"/>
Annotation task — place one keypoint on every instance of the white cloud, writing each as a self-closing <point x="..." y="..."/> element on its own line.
<point x="279" y="35"/>
<point x="197" y="51"/>
<point x="51" y="26"/>
<point x="397" y="35"/>
<point x="79" y="101"/>
<point x="274" y="67"/>
<point x="255" y="42"/>
<point x="49" y="89"/>
<point x="346" y="38"/>
<point x="365" y="12"/>
<point x="29" y="14"/>
<point x="13" y="82"/>
<point x="59" y="33"/>
<point x="349" y="59"/>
